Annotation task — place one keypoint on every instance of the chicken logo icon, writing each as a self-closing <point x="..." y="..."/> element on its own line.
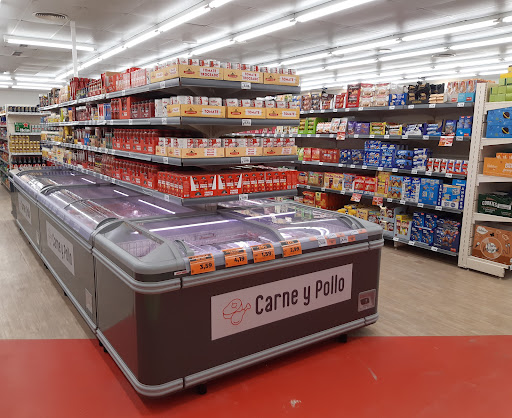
<point x="235" y="311"/>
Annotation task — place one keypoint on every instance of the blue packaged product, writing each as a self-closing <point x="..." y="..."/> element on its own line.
<point x="372" y="158"/>
<point x="499" y="115"/>
<point x="372" y="145"/>
<point x="345" y="156"/>
<point x="415" y="234"/>
<point x="418" y="219"/>
<point x="468" y="122"/>
<point x="357" y="156"/>
<point x="447" y="238"/>
<point x="403" y="164"/>
<point x="387" y="161"/>
<point x="427" y="236"/>
<point x="498" y="131"/>
<point x="429" y="191"/>
<point x="434" y="129"/>
<point x="404" y="154"/>
<point x="430" y="220"/>
<point x="450" y="127"/>
<point x="414" y="129"/>
<point x="411" y="189"/>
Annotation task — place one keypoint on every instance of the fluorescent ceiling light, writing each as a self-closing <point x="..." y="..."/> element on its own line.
<point x="218" y="3"/>
<point x="449" y="30"/>
<point x="401" y="65"/>
<point x="184" y="18"/>
<point x="350" y="64"/>
<point x="211" y="47"/>
<point x="141" y="38"/>
<point x="64" y="75"/>
<point x="330" y="8"/>
<point x="112" y="52"/>
<point x="36" y="79"/>
<point x="405" y="71"/>
<point x="478" y="44"/>
<point x="356" y="73"/>
<point x="34" y="87"/>
<point x="469" y="63"/>
<point x="507" y="19"/>
<point x="5" y="77"/>
<point x="46" y="43"/>
<point x="365" y="46"/>
<point x="412" y="54"/>
<point x="306" y="58"/>
<point x="490" y="72"/>
<point x="4" y="87"/>
<point x="271" y="65"/>
<point x="314" y="79"/>
<point x="49" y="85"/>
<point x="265" y="30"/>
<point x="311" y="70"/>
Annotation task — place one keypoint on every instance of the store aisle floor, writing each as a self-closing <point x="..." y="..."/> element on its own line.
<point x="385" y="370"/>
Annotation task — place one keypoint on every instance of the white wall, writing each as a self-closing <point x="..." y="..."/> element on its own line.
<point x="19" y="97"/>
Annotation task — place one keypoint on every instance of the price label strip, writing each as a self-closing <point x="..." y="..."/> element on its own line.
<point x="235" y="257"/>
<point x="263" y="252"/>
<point x="201" y="264"/>
<point x="291" y="248"/>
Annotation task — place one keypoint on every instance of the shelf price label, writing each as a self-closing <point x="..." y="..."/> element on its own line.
<point x="411" y="243"/>
<point x="243" y="197"/>
<point x="235" y="257"/>
<point x="201" y="264"/>
<point x="356" y="197"/>
<point x="245" y="160"/>
<point x="433" y="249"/>
<point x="162" y="84"/>
<point x="410" y="107"/>
<point x="263" y="252"/>
<point x="246" y="122"/>
<point x="377" y="201"/>
<point x="164" y="121"/>
<point x="165" y="160"/>
<point x="391" y="107"/>
<point x="244" y="85"/>
<point x="432" y="106"/>
<point x="460" y="104"/>
<point x="291" y="248"/>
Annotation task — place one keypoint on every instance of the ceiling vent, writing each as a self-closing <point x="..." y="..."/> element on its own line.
<point x="16" y="53"/>
<point x="51" y="17"/>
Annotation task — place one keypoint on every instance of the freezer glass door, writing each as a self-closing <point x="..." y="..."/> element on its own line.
<point x="210" y="234"/>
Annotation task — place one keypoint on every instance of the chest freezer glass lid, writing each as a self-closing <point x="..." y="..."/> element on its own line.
<point x="209" y="234"/>
<point x="84" y="216"/>
<point x="296" y="221"/>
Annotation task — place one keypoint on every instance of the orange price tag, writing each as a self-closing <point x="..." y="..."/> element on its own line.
<point x="351" y="238"/>
<point x="361" y="231"/>
<point x="201" y="264"/>
<point x="378" y="201"/>
<point x="263" y="252"/>
<point x="291" y="248"/>
<point x="331" y="241"/>
<point x="235" y="257"/>
<point x="356" y="197"/>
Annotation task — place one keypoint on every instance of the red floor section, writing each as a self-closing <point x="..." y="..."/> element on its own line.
<point x="368" y="377"/>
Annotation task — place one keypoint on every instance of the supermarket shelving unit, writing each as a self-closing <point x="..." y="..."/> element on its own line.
<point x="404" y="114"/>
<point x="481" y="147"/>
<point x="210" y="127"/>
<point x="11" y="119"/>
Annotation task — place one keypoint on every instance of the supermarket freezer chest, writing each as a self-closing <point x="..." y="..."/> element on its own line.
<point x="198" y="296"/>
<point x="68" y="214"/>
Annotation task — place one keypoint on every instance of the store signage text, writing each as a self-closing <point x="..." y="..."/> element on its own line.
<point x="61" y="247"/>
<point x="24" y="207"/>
<point x="255" y="306"/>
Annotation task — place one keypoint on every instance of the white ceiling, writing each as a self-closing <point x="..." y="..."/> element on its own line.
<point x="106" y="23"/>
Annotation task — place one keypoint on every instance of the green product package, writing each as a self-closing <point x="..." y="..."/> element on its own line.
<point x="311" y="124"/>
<point x="497" y="203"/>
<point x="22" y="127"/>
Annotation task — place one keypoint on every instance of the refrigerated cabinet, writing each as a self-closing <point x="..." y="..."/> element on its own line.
<point x="183" y="300"/>
<point x="65" y="212"/>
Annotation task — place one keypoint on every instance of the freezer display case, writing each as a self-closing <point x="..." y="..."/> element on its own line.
<point x="28" y="185"/>
<point x="69" y="218"/>
<point x="200" y="295"/>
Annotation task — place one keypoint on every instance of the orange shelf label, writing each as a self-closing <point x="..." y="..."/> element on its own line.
<point x="291" y="248"/>
<point x="201" y="264"/>
<point x="235" y="257"/>
<point x="263" y="252"/>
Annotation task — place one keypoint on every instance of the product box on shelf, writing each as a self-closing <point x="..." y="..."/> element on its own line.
<point x="497" y="167"/>
<point x="492" y="244"/>
<point x="281" y="79"/>
<point x="269" y="151"/>
<point x="186" y="71"/>
<point x="275" y="113"/>
<point x="243" y="75"/>
<point x="243" y="152"/>
<point x="202" y="111"/>
<point x="195" y="152"/>
<point x="496" y="203"/>
<point x="246" y="112"/>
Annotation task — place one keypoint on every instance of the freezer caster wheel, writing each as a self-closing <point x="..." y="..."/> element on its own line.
<point x="100" y="343"/>
<point x="201" y="389"/>
<point x="105" y="350"/>
<point x="343" y="338"/>
<point x="65" y="294"/>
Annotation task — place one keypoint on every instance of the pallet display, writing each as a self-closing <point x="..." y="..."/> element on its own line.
<point x="481" y="183"/>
